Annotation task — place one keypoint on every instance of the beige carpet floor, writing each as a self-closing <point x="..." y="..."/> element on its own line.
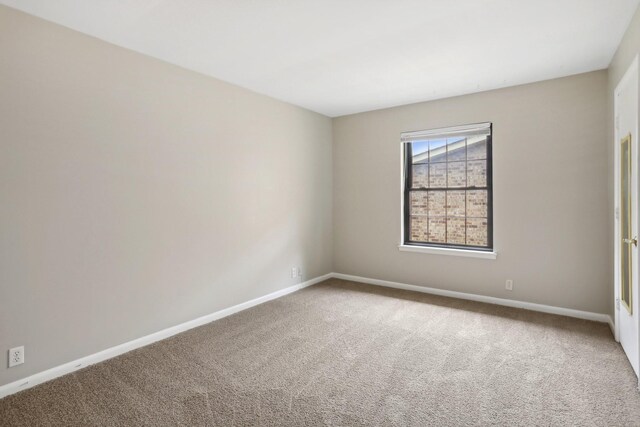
<point x="347" y="354"/>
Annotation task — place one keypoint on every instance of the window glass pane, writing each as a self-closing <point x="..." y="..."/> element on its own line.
<point x="456" y="174"/>
<point x="476" y="147"/>
<point x="477" y="173"/>
<point x="477" y="231"/>
<point x="418" y="202"/>
<point x="437" y="230"/>
<point x="456" y="149"/>
<point x="456" y="230"/>
<point x="438" y="150"/>
<point x="419" y="228"/>
<point x="419" y="152"/>
<point x="420" y="147"/>
<point x="477" y="202"/>
<point x="437" y="203"/>
<point x="438" y="175"/>
<point x="420" y="175"/>
<point x="456" y="204"/>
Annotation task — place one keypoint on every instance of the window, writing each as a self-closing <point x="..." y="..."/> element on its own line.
<point x="447" y="188"/>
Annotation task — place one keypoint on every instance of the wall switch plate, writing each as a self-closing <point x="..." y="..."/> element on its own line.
<point x="509" y="285"/>
<point x="16" y="356"/>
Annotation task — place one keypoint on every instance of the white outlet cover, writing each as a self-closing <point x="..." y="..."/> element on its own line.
<point x="16" y="356"/>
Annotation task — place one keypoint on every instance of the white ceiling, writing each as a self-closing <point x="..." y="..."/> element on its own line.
<point x="339" y="57"/>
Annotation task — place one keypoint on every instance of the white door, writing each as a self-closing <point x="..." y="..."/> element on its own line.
<point x="626" y="240"/>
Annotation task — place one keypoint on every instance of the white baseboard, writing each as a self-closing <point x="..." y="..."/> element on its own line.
<point x="67" y="368"/>
<point x="612" y="325"/>
<point x="598" y="317"/>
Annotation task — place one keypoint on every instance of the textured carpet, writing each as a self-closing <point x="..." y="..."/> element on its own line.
<point x="341" y="353"/>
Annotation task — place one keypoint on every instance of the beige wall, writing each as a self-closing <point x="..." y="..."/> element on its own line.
<point x="628" y="49"/>
<point x="550" y="194"/>
<point x="136" y="195"/>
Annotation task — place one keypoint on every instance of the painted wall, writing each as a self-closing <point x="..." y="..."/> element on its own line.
<point x="136" y="195"/>
<point x="628" y="49"/>
<point x="550" y="194"/>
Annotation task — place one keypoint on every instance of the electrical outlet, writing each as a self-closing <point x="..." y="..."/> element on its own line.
<point x="16" y="356"/>
<point x="294" y="272"/>
<point x="509" y="285"/>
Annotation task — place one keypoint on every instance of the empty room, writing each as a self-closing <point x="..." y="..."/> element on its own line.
<point x="310" y="213"/>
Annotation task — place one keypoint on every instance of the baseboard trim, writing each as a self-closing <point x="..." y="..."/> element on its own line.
<point x="109" y="353"/>
<point x="612" y="325"/>
<point x="587" y="315"/>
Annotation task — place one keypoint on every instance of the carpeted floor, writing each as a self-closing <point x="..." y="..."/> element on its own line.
<point x="341" y="353"/>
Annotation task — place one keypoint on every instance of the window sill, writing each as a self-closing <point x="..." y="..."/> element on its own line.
<point x="447" y="251"/>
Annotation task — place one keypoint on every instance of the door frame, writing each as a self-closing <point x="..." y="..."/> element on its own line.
<point x="633" y="69"/>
